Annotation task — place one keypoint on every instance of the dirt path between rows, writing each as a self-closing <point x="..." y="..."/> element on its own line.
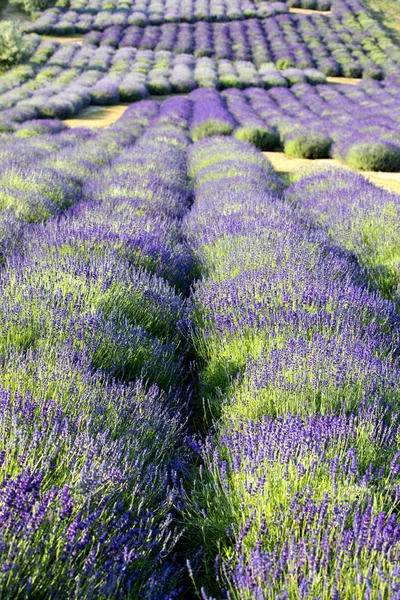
<point x="64" y="38"/>
<point x="284" y="164"/>
<point x="309" y="11"/>
<point x="103" y="116"/>
<point x="348" y="80"/>
<point x="97" y="116"/>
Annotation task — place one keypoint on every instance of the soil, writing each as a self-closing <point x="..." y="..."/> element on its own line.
<point x="97" y="116"/>
<point x="309" y="11"/>
<point x="348" y="80"/>
<point x="284" y="164"/>
<point x="103" y="116"/>
<point x="65" y="38"/>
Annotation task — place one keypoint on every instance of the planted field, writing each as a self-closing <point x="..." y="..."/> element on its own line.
<point x="200" y="348"/>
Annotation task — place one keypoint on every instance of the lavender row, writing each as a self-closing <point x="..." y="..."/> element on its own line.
<point x="299" y="373"/>
<point x="44" y="166"/>
<point x="358" y="125"/>
<point x="78" y="16"/>
<point x="307" y="121"/>
<point x="360" y="218"/>
<point x="75" y="77"/>
<point x="93" y="407"/>
<point x="57" y="21"/>
<point x="336" y="46"/>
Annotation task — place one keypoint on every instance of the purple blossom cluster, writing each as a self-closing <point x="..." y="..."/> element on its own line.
<point x="299" y="370"/>
<point x="357" y="216"/>
<point x="93" y="389"/>
<point x="44" y="166"/>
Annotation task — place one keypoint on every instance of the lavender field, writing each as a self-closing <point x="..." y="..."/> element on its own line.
<point x="199" y="355"/>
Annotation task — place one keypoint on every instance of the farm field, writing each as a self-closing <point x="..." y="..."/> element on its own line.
<point x="199" y="300"/>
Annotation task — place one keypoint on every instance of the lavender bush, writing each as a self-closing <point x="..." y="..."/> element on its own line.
<point x="102" y="357"/>
<point x="210" y="116"/>
<point x="359" y="217"/>
<point x="300" y="472"/>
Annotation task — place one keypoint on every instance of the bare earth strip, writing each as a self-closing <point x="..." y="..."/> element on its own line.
<point x="348" y="80"/>
<point x="309" y="11"/>
<point x="103" y="116"/>
<point x="97" y="116"/>
<point x="284" y="164"/>
<point x="65" y="38"/>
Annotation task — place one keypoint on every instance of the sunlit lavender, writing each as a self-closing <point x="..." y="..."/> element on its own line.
<point x="200" y="300"/>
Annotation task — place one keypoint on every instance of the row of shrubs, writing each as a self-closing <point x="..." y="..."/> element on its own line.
<point x="357" y="125"/>
<point x="337" y="45"/>
<point x="297" y="491"/>
<point x="93" y="384"/>
<point x="155" y="12"/>
<point x="62" y="79"/>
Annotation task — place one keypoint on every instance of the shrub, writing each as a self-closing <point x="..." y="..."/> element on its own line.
<point x="11" y="44"/>
<point x="329" y="67"/>
<point x="105" y="93"/>
<point x="31" y="6"/>
<point x="314" y="77"/>
<point x="294" y="76"/>
<point x="40" y="127"/>
<point x="352" y="70"/>
<point x="309" y="4"/>
<point x="285" y="63"/>
<point x="159" y="85"/>
<point x="211" y="127"/>
<point x="262" y="137"/>
<point x="373" y="156"/>
<point x="307" y="145"/>
<point x="323" y="5"/>
<point x="229" y="80"/>
<point x="182" y="79"/>
<point x="372" y="73"/>
<point x="133" y="88"/>
<point x="59" y="108"/>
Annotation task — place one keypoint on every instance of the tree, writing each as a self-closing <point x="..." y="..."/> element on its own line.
<point x="11" y="44"/>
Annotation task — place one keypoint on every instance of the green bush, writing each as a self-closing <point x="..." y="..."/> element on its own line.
<point x="373" y="156"/>
<point x="261" y="137"/>
<point x="372" y="73"/>
<point x="211" y="127"/>
<point x="324" y="5"/>
<point x="11" y="44"/>
<point x="351" y="70"/>
<point x="159" y="86"/>
<point x="307" y="145"/>
<point x="31" y="6"/>
<point x="309" y="4"/>
<point x="285" y="63"/>
<point x="229" y="80"/>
